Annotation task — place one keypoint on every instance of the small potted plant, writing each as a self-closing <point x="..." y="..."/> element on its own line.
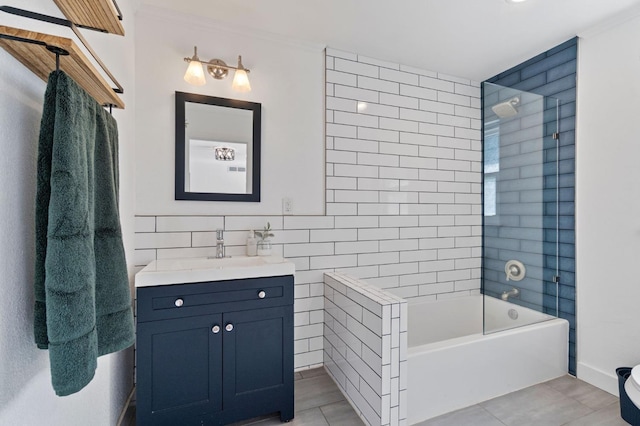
<point x="264" y="244"/>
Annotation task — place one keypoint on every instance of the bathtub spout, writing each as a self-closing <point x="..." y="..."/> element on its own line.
<point x="514" y="292"/>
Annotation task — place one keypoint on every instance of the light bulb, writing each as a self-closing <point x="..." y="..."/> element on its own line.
<point x="240" y="78"/>
<point x="195" y="73"/>
<point x="241" y="81"/>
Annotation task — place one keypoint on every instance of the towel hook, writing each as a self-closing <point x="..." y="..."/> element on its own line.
<point x="58" y="51"/>
<point x="53" y="49"/>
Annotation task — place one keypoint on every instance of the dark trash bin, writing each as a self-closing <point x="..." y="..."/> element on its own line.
<point x="628" y="411"/>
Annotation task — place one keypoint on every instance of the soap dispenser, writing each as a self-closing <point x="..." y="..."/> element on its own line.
<point x="252" y="244"/>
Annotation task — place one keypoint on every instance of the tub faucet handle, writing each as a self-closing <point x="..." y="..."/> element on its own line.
<point x="514" y="270"/>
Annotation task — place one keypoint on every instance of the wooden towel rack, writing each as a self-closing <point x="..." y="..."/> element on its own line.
<point x="41" y="52"/>
<point x="99" y="14"/>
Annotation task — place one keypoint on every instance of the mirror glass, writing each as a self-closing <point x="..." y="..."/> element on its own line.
<point x="217" y="148"/>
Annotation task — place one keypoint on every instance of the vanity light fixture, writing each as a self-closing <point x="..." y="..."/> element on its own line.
<point x="224" y="153"/>
<point x="218" y="69"/>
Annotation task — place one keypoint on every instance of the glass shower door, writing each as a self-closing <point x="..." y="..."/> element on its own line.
<point x="520" y="228"/>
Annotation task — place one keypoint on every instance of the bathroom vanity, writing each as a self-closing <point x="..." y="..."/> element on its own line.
<point x="214" y="340"/>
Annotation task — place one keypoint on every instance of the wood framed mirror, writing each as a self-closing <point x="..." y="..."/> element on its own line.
<point x="217" y="148"/>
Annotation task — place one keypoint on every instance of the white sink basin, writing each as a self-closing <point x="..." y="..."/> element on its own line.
<point x="199" y="269"/>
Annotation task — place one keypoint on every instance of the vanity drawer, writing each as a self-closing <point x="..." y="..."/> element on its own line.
<point x="184" y="300"/>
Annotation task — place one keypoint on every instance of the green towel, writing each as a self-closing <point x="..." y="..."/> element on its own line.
<point x="82" y="295"/>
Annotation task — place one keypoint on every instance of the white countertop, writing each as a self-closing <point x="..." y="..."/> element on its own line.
<point x="202" y="269"/>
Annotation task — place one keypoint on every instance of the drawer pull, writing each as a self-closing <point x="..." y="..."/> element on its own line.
<point x="215" y="329"/>
<point x="229" y="327"/>
<point x="262" y="294"/>
<point x="178" y="302"/>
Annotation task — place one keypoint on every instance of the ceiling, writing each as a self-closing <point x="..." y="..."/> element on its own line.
<point x="475" y="39"/>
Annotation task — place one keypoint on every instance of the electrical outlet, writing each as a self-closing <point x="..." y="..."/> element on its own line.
<point x="287" y="205"/>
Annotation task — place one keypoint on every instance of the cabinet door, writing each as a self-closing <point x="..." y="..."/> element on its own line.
<point x="258" y="363"/>
<point x="179" y="370"/>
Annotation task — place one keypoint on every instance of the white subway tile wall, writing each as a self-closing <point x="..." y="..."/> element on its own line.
<point x="413" y="144"/>
<point x="403" y="197"/>
<point x="365" y="347"/>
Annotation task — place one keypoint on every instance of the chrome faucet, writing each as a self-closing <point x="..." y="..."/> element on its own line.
<point x="219" y="244"/>
<point x="514" y="292"/>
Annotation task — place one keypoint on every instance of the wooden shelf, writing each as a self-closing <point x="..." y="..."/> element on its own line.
<point x="41" y="62"/>
<point x="101" y="14"/>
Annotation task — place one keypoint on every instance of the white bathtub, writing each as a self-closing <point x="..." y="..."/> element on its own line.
<point x="452" y="365"/>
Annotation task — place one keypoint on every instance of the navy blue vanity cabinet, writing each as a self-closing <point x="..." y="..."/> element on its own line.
<point x="214" y="353"/>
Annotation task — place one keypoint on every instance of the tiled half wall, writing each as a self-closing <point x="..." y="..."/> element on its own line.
<point x="365" y="348"/>
<point x="403" y="191"/>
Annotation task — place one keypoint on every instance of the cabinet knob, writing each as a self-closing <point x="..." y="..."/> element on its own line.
<point x="262" y="294"/>
<point x="215" y="329"/>
<point x="178" y="302"/>
<point x="229" y="327"/>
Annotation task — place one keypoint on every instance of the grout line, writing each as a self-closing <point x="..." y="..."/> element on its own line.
<point x="491" y="414"/>
<point x="323" y="415"/>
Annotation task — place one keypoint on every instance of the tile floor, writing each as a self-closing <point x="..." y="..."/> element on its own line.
<point x="563" y="401"/>
<point x="318" y="402"/>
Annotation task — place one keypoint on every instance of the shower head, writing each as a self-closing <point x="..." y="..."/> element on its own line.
<point x="507" y="108"/>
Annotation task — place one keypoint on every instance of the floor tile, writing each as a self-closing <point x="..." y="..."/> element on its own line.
<point x="311" y="417"/>
<point x="316" y="392"/>
<point x="537" y="405"/>
<point x="474" y="415"/>
<point x="607" y="416"/>
<point x="313" y="372"/>
<point x="341" y="414"/>
<point x="583" y="392"/>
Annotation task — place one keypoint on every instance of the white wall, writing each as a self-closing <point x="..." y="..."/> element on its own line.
<point x="286" y="78"/>
<point x="26" y="394"/>
<point x="608" y="203"/>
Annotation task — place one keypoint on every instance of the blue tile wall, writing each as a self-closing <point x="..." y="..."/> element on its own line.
<point x="553" y="74"/>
